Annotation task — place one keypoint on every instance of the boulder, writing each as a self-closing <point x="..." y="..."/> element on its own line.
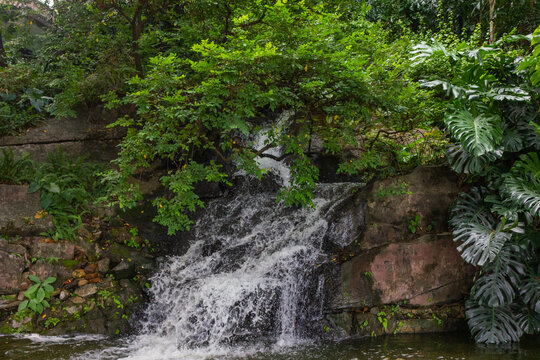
<point x="424" y="272"/>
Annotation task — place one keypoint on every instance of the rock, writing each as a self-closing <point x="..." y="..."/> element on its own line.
<point x="86" y="235"/>
<point x="20" y="296"/>
<point x="19" y="217"/>
<point x="78" y="273"/>
<point x="44" y="269"/>
<point x="64" y="250"/>
<point x="82" y="282"/>
<point x="11" y="268"/>
<point x="124" y="270"/>
<point x="85" y="248"/>
<point x="94" y="280"/>
<point x="90" y="268"/>
<point x="91" y="276"/>
<point x="72" y="309"/>
<point x="77" y="300"/>
<point x="392" y="204"/>
<point x="9" y="304"/>
<point x="11" y="248"/>
<point x="86" y="290"/>
<point x="103" y="265"/>
<point x="63" y="295"/>
<point x="427" y="271"/>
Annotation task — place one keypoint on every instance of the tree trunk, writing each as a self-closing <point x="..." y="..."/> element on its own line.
<point x="492" y="21"/>
<point x="3" y="62"/>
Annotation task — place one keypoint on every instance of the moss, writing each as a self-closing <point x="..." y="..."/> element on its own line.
<point x="69" y="263"/>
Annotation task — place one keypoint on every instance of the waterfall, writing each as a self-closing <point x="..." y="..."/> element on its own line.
<point x="249" y="277"/>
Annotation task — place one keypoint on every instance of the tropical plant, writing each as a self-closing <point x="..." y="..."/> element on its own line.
<point x="492" y="119"/>
<point x="37" y="294"/>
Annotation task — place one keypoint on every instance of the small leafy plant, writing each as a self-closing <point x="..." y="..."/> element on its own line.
<point x="415" y="224"/>
<point x="36" y="295"/>
<point x="15" y="171"/>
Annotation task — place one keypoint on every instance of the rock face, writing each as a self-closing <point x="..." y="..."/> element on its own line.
<point x="18" y="210"/>
<point x="12" y="265"/>
<point x="84" y="135"/>
<point x="426" y="271"/>
<point x="403" y="255"/>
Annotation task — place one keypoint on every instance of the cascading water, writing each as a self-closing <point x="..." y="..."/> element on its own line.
<point x="248" y="279"/>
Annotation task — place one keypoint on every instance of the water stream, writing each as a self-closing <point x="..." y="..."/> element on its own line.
<point x="247" y="287"/>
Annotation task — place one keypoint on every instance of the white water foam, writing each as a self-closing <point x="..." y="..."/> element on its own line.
<point x="247" y="283"/>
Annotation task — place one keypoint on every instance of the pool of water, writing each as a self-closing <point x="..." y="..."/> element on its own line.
<point x="426" y="346"/>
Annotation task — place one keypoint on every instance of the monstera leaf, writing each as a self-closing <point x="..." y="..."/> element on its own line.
<point x="479" y="135"/>
<point x="492" y="324"/>
<point x="497" y="285"/>
<point x="530" y="293"/>
<point x="480" y="243"/>
<point x="472" y="208"/>
<point x="464" y="162"/>
<point x="523" y="183"/>
<point x="529" y="321"/>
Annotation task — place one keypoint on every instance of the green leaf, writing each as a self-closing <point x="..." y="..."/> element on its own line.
<point x="22" y="305"/>
<point x="34" y="278"/>
<point x="46" y="200"/>
<point x="530" y="292"/>
<point x="493" y="325"/>
<point x="46" y="304"/>
<point x="31" y="290"/>
<point x="48" y="288"/>
<point x="54" y="188"/>
<point x="462" y="161"/>
<point x="523" y="183"/>
<point x="49" y="280"/>
<point x="479" y="135"/>
<point x="33" y="187"/>
<point x="480" y="243"/>
<point x="32" y="305"/>
<point x="40" y="295"/>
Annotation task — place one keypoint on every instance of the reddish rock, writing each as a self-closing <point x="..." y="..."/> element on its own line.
<point x="94" y="280"/>
<point x="90" y="268"/>
<point x="82" y="282"/>
<point x="426" y="271"/>
<point x="44" y="269"/>
<point x="91" y="276"/>
<point x="19" y="217"/>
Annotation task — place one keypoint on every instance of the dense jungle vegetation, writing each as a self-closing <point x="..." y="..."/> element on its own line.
<point x="383" y="85"/>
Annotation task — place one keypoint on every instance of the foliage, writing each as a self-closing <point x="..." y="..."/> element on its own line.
<point x="36" y="295"/>
<point x="66" y="187"/>
<point x="491" y="116"/>
<point x="15" y="171"/>
<point x="325" y="78"/>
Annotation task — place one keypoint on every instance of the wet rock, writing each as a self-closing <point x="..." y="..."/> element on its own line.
<point x="86" y="290"/>
<point x="82" y="282"/>
<point x="103" y="265"/>
<point x="72" y="309"/>
<point x="63" y="295"/>
<point x="64" y="250"/>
